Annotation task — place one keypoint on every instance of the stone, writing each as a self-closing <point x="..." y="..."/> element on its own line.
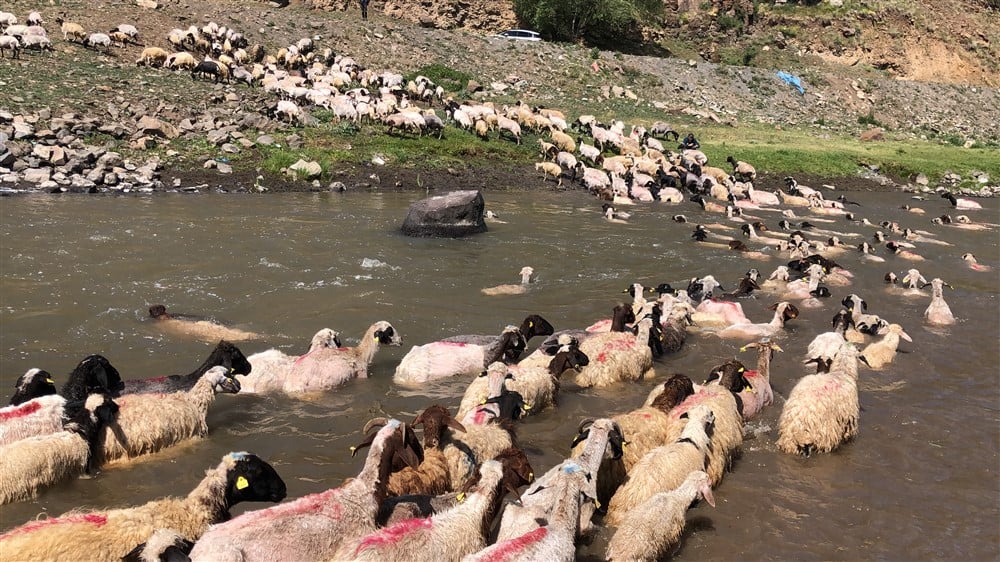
<point x="306" y="170"/>
<point x="152" y="126"/>
<point x="23" y="131"/>
<point x="451" y="215"/>
<point x="921" y="179"/>
<point x="57" y="155"/>
<point x="148" y="4"/>
<point x="265" y="140"/>
<point x="224" y="168"/>
<point x="230" y="148"/>
<point x="35" y="175"/>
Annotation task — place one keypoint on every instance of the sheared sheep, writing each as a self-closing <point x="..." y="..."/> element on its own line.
<point x="757" y="393"/>
<point x="326" y="367"/>
<point x="783" y="312"/>
<point x="445" y="358"/>
<point x="938" y="312"/>
<point x="269" y="368"/>
<point x="38" y="462"/>
<point x="110" y="535"/>
<point x="150" y="422"/>
<point x="822" y="411"/>
<point x="648" y="532"/>
<point x="225" y="355"/>
<point x="666" y="467"/>
<point x="312" y="527"/>
<point x="882" y="352"/>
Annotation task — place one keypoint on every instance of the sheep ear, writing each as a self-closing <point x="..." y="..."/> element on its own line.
<point x="454" y="424"/>
<point x="580" y="437"/>
<point x="773" y="306"/>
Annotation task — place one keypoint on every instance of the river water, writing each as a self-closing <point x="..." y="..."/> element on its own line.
<point x="920" y="482"/>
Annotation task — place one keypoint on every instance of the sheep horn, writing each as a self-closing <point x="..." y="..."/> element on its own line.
<point x="374" y="422"/>
<point x="584" y="423"/>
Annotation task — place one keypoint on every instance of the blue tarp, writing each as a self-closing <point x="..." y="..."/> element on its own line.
<point x="792" y="80"/>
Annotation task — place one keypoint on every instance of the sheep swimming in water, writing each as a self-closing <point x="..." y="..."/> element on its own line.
<point x="510" y="289"/>
<point x="200" y="329"/>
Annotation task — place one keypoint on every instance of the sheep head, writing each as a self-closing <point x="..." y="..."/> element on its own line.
<point x="250" y="478"/>
<point x="406" y="449"/>
<point x="385" y="334"/>
<point x="675" y="390"/>
<point x="568" y="357"/>
<point x="222" y="380"/>
<point x="607" y="427"/>
<point x="94" y="373"/>
<point x="434" y="419"/>
<point x="32" y="384"/>
<point x="535" y="325"/>
<point x="228" y="355"/>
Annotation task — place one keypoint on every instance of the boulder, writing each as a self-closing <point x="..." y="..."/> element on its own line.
<point x="454" y="214"/>
<point x="155" y="127"/>
<point x="873" y="134"/>
<point x="306" y="170"/>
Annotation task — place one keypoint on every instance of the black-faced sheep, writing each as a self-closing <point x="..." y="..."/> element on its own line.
<point x="32" y="384"/>
<point x="312" y="527"/>
<point x="225" y="355"/>
<point x="150" y="422"/>
<point x="327" y="367"/>
<point x="93" y="374"/>
<point x="445" y="358"/>
<point x="38" y="462"/>
<point x="109" y="535"/>
<point x="211" y="69"/>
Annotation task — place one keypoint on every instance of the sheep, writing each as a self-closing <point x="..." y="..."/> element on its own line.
<point x="91" y="374"/>
<point x="663" y="131"/>
<point x="742" y="170"/>
<point x="129" y="30"/>
<point x="150" y="422"/>
<point x="485" y="437"/>
<point x="727" y="437"/>
<point x="118" y="38"/>
<point x="555" y="537"/>
<point x="540" y="502"/>
<point x="431" y="476"/>
<point x="34" y="18"/>
<point x="650" y="531"/>
<point x="38" y="462"/>
<point x="164" y="545"/>
<point x="508" y="289"/>
<point x="11" y="44"/>
<point x="822" y="411"/>
<point x="449" y="535"/>
<point x="109" y="535"/>
<point x="182" y="61"/>
<point x="198" y="328"/>
<point x="550" y="169"/>
<point x="938" y="312"/>
<point x="269" y="368"/>
<point x="665" y="468"/>
<point x="617" y="356"/>
<point x="882" y="352"/>
<point x="961" y="204"/>
<point x="71" y="29"/>
<point x="563" y="142"/>
<point x="152" y="56"/>
<point x="213" y="69"/>
<point x="537" y="385"/>
<point x="673" y="330"/>
<point x="441" y="359"/>
<point x="824" y="346"/>
<point x="98" y="39"/>
<point x="757" y="393"/>
<point x="327" y="367"/>
<point x="7" y="19"/>
<point x="783" y="312"/>
<point x="34" y="383"/>
<point x="36" y="43"/>
<point x="312" y="527"/>
<point x="224" y="354"/>
<point x="603" y="441"/>
<point x="510" y="127"/>
<point x="974" y="265"/>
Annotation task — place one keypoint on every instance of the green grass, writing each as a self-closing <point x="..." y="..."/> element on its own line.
<point x="453" y="81"/>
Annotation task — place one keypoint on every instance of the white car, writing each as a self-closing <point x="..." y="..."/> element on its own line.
<point x="520" y="34"/>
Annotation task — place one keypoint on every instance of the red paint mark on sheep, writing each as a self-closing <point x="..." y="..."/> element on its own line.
<point x="452" y="344"/>
<point x="92" y="518"/>
<point x="156" y="379"/>
<point x="23" y="410"/>
<point x="510" y="550"/>
<point x="394" y="534"/>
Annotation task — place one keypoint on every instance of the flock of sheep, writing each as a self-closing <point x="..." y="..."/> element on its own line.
<point x="441" y="496"/>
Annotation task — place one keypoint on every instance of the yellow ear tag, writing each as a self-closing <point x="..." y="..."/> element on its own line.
<point x="483" y="402"/>
<point x="375" y="338"/>
<point x="624" y="444"/>
<point x="748" y="388"/>
<point x="742" y="349"/>
<point x="50" y="381"/>
<point x="352" y="449"/>
<point x="531" y="477"/>
<point x="526" y="407"/>
<point x="742" y="369"/>
<point x="241" y="483"/>
<point x="531" y="324"/>
<point x="460" y="497"/>
<point x="597" y="504"/>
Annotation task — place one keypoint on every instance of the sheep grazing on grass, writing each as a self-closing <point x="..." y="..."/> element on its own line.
<point x="269" y="368"/>
<point x="35" y="383"/>
<point x="152" y="56"/>
<point x="666" y="467"/>
<point x="225" y="355"/>
<point x="616" y="357"/>
<point x="8" y="43"/>
<point x="554" y="540"/>
<point x="211" y="69"/>
<point x="431" y="476"/>
<point x="938" y="312"/>
<point x="650" y="531"/>
<point x="445" y="358"/>
<point x="822" y="411"/>
<point x="449" y="535"/>
<point x="324" y="368"/>
<point x="882" y="352"/>
<point x="96" y="40"/>
<point x="312" y="527"/>
<point x="28" y="465"/>
<point x="526" y="273"/>
<point x="148" y="423"/>
<point x="110" y="535"/>
<point x="71" y="29"/>
<point x="198" y="328"/>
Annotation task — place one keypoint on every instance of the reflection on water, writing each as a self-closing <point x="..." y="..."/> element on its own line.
<point x="80" y="272"/>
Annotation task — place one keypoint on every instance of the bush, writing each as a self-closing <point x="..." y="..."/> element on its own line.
<point x="448" y="78"/>
<point x="595" y="21"/>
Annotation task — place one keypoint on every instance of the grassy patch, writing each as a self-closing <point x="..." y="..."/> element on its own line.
<point x="451" y="80"/>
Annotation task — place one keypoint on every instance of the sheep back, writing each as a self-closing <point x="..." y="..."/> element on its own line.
<point x="727" y="437"/>
<point x="821" y="413"/>
<point x="661" y="470"/>
<point x="614" y="357"/>
<point x="438" y="360"/>
<point x="465" y="451"/>
<point x="40" y="416"/>
<point x="37" y="462"/>
<point x="268" y="370"/>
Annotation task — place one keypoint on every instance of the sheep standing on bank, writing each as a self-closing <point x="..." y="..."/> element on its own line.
<point x="616" y="357"/>
<point x="327" y="367"/>
<point x="938" y="312"/>
<point x="38" y="462"/>
<point x="269" y="368"/>
<point x="110" y="535"/>
<point x="882" y="352"/>
<point x="649" y="532"/>
<point x="154" y="57"/>
<point x="312" y="527"/>
<point x="150" y="422"/>
<point x="225" y="355"/>
<point x="822" y="410"/>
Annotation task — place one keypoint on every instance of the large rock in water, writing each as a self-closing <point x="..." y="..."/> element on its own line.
<point x="454" y="214"/>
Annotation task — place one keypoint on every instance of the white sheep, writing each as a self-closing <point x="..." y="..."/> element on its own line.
<point x="666" y="467"/>
<point x="150" y="422"/>
<point x="824" y="346"/>
<point x="822" y="410"/>
<point x="328" y="367"/>
<point x="757" y="393"/>
<point x="879" y="354"/>
<point x="603" y="441"/>
<point x="650" y="531"/>
<point x="783" y="312"/>
<point x="509" y="289"/>
<point x="38" y="462"/>
<point x="39" y="416"/>
<point x="164" y="544"/>
<point x="938" y="312"/>
<point x="36" y="43"/>
<point x="542" y="501"/>
<point x="312" y="527"/>
<point x="442" y="359"/>
<point x="485" y="437"/>
<point x="616" y="357"/>
<point x="110" y="535"/>
<point x="98" y="39"/>
<point x="269" y="368"/>
<point x="10" y="44"/>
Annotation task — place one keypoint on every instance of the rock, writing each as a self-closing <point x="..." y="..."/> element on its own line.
<point x="873" y="134"/>
<point x="209" y="164"/>
<point x="337" y="186"/>
<point x="224" y="168"/>
<point x="148" y="4"/>
<point x="144" y="143"/>
<point x="42" y="151"/>
<point x="217" y="137"/>
<point x="921" y="179"/>
<point x="473" y="86"/>
<point x="293" y="141"/>
<point x="266" y="140"/>
<point x="152" y="126"/>
<point x="23" y="131"/>
<point x="452" y="215"/>
<point x="57" y="155"/>
<point x="35" y="175"/>
<point x="6" y="158"/>
<point x="230" y="148"/>
<point x="306" y="170"/>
